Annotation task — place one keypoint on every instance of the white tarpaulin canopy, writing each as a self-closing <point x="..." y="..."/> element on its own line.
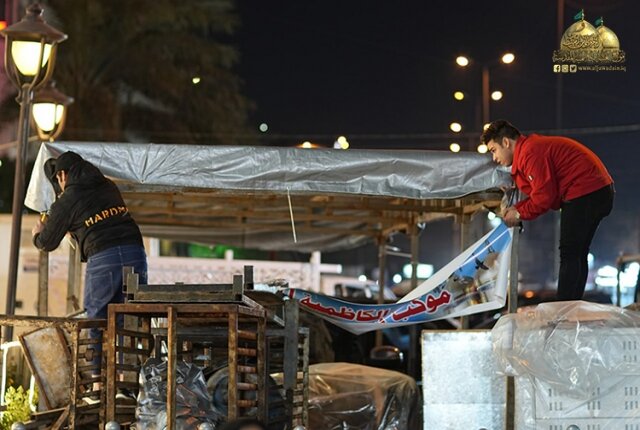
<point x="239" y="195"/>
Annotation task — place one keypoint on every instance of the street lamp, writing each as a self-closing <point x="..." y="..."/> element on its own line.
<point x="506" y="58"/>
<point x="458" y="95"/>
<point x="50" y="111"/>
<point x="462" y="61"/>
<point x="456" y="127"/>
<point x="30" y="54"/>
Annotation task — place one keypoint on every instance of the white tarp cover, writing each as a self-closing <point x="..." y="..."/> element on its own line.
<point x="395" y="173"/>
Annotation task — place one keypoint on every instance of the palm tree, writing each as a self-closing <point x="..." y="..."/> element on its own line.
<point x="132" y="67"/>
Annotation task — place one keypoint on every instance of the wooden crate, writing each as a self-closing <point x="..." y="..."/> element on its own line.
<point x="59" y="353"/>
<point x="288" y="357"/>
<point x="203" y="333"/>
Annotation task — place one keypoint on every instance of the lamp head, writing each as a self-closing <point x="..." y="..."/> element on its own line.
<point x="50" y="111"/>
<point x="30" y="48"/>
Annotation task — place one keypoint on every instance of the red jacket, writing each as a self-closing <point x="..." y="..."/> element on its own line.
<point x="553" y="169"/>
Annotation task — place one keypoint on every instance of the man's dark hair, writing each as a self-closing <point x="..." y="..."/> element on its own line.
<point x="497" y="130"/>
<point x="241" y="423"/>
<point x="67" y="160"/>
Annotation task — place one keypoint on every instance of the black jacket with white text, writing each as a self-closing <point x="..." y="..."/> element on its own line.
<point x="92" y="210"/>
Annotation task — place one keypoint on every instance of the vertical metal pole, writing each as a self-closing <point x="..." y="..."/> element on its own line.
<point x="465" y="240"/>
<point x="485" y="95"/>
<point x="71" y="279"/>
<point x="559" y="33"/>
<point x="512" y="307"/>
<point x="556" y="214"/>
<point x="290" y="365"/>
<point x="620" y="267"/>
<point x="414" y="339"/>
<point x="43" y="284"/>
<point x="77" y="276"/>
<point x="382" y="262"/>
<point x="513" y="272"/>
<point x="172" y="357"/>
<point x="26" y="96"/>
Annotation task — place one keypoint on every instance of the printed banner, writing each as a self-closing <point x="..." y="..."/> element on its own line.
<point x="475" y="281"/>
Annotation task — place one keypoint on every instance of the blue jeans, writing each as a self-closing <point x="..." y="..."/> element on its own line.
<point x="104" y="283"/>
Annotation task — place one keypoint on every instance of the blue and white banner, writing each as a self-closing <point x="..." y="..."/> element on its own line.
<point x="475" y="281"/>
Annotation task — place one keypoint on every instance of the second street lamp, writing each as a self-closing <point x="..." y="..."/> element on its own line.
<point x="463" y="62"/>
<point x="30" y="53"/>
<point x="50" y="111"/>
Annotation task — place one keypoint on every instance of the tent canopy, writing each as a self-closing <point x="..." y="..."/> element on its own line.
<point x="240" y="195"/>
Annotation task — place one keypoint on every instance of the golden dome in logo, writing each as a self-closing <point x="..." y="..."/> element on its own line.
<point x="608" y="38"/>
<point x="581" y="35"/>
<point x="586" y="44"/>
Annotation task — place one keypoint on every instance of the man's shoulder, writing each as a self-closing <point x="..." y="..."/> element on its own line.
<point x="537" y="145"/>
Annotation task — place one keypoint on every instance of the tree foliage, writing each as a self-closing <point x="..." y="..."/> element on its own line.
<point x="130" y="64"/>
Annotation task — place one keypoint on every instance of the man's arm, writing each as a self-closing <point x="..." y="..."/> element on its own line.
<point x="47" y="236"/>
<point x="544" y="195"/>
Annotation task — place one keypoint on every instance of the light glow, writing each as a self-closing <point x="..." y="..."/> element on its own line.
<point x="26" y="55"/>
<point x="47" y="115"/>
<point x="462" y="61"/>
<point x="508" y="58"/>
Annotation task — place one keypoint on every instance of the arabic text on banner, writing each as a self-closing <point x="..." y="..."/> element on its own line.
<point x="473" y="282"/>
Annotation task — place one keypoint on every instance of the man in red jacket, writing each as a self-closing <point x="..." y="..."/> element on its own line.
<point x="556" y="173"/>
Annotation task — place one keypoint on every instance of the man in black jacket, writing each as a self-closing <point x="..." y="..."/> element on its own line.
<point x="91" y="209"/>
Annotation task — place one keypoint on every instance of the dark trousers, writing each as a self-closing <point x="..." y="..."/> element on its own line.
<point x="579" y="220"/>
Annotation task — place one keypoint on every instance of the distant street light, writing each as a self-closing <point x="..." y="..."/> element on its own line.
<point x="30" y="54"/>
<point x="50" y="111"/>
<point x="454" y="147"/>
<point x="458" y="95"/>
<point x="508" y="58"/>
<point x="342" y="142"/>
<point x="462" y="61"/>
<point x="195" y="80"/>
<point x="456" y="127"/>
<point x="307" y="145"/>
<point x="482" y="148"/>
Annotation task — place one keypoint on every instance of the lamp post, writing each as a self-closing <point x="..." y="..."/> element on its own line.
<point x="50" y="111"/>
<point x="30" y="53"/>
<point x="463" y="61"/>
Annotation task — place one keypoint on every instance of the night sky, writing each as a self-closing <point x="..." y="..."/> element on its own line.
<point x="383" y="74"/>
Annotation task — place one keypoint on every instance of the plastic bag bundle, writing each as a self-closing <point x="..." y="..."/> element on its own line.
<point x="355" y="397"/>
<point x="193" y="404"/>
<point x="571" y="346"/>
